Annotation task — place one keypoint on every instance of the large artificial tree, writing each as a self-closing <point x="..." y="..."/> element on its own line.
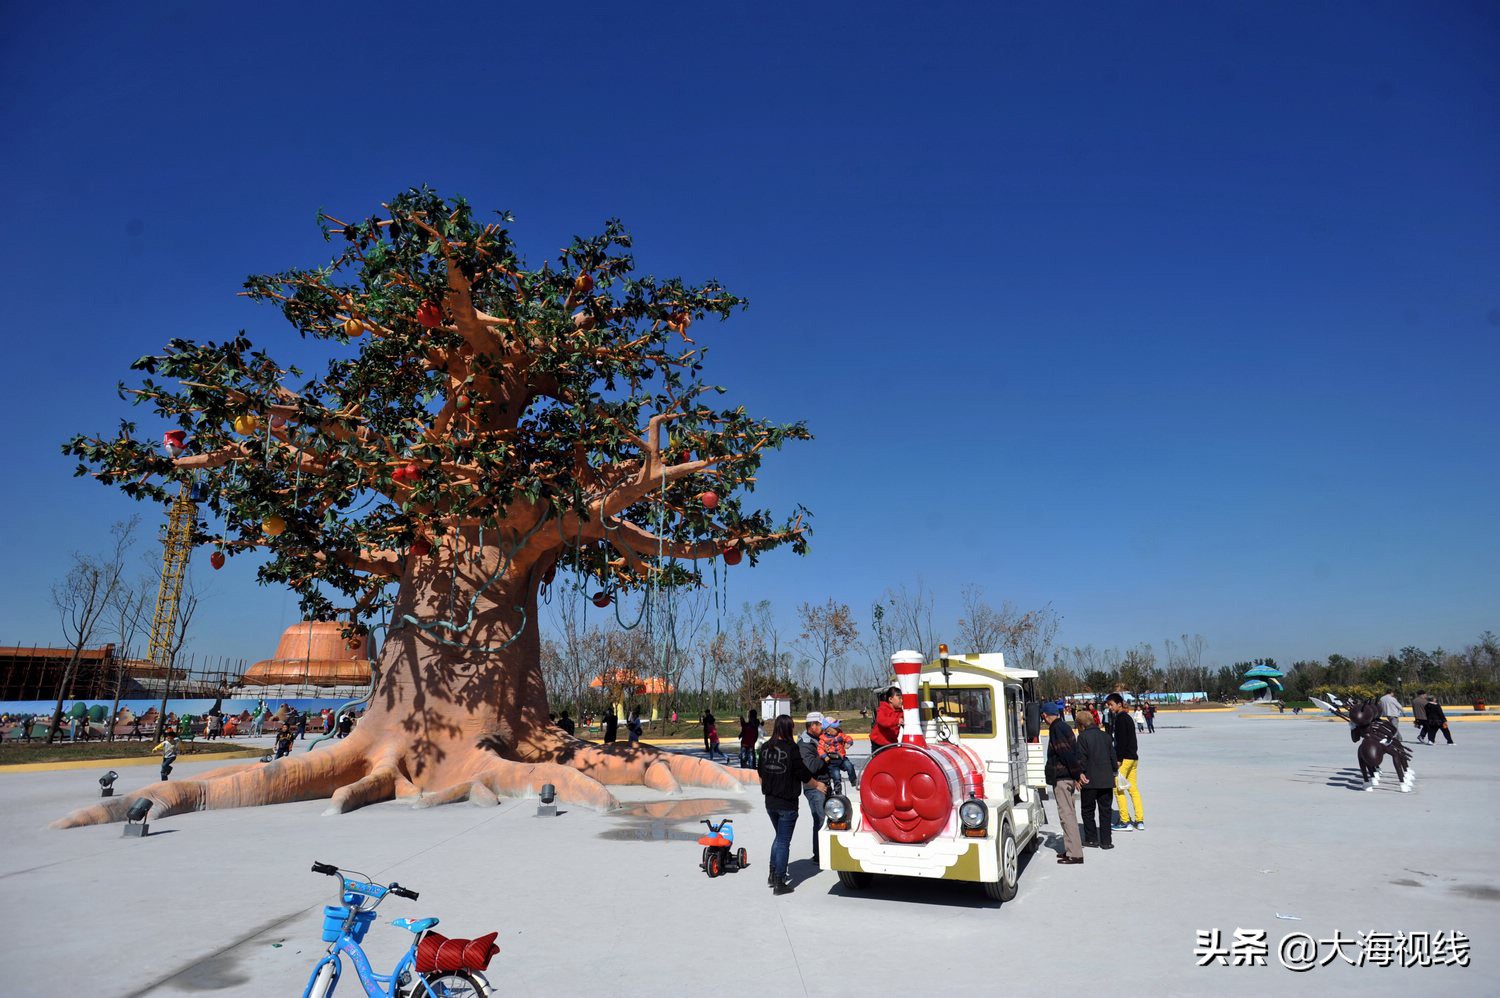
<point x="481" y="430"/>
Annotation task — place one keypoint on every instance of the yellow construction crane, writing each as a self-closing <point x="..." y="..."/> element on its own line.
<point x="178" y="544"/>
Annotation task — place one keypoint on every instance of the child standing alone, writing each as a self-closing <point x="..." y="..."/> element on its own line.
<point x="168" y="746"/>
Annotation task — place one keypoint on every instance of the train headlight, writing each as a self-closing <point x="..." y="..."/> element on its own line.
<point x="973" y="814"/>
<point x="836" y="810"/>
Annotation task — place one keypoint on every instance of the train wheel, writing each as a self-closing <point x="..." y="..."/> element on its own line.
<point x="1005" y="888"/>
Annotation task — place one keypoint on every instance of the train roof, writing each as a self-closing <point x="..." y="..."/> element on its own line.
<point x="990" y="663"/>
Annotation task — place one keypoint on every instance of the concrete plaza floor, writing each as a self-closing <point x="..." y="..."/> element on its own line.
<point x="1248" y="818"/>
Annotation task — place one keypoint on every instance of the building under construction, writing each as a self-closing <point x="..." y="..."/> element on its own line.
<point x="35" y="673"/>
<point x="312" y="659"/>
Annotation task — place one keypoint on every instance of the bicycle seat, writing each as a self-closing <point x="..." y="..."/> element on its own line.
<point x="415" y="925"/>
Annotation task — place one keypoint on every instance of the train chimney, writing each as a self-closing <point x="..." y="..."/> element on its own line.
<point x="908" y="667"/>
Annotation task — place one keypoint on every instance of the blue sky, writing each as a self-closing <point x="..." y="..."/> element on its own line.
<point x="1182" y="317"/>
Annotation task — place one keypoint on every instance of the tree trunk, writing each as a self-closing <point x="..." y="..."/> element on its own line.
<point x="462" y="719"/>
<point x="448" y="709"/>
<point x="62" y="689"/>
<point x="114" y="708"/>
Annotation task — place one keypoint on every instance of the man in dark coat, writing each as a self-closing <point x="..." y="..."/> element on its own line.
<point x="1419" y="714"/>
<point x="1064" y="772"/>
<point x="1436" y="721"/>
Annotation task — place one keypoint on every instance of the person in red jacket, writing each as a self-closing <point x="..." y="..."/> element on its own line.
<point x="887" y="727"/>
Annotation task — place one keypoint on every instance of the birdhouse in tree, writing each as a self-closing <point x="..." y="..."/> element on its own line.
<point x="353" y="327"/>
<point x="246" y="424"/>
<point x="273" y="526"/>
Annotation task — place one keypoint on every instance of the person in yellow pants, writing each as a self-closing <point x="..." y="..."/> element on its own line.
<point x="1122" y="727"/>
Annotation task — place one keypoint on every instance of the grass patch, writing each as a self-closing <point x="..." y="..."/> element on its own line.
<point x="14" y="754"/>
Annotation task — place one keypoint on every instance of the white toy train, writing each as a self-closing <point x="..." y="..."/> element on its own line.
<point x="959" y="797"/>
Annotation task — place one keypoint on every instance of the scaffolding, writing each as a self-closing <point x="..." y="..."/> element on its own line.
<point x="178" y="546"/>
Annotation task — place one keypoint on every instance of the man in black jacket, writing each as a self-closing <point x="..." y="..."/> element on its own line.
<point x="1129" y="758"/>
<point x="1436" y="720"/>
<point x="1064" y="773"/>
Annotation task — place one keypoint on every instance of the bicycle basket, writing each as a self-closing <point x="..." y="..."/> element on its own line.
<point x="333" y="923"/>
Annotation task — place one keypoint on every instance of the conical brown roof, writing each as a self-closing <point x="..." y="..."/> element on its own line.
<point x="315" y="653"/>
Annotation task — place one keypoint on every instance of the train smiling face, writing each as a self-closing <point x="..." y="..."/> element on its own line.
<point x="905" y="794"/>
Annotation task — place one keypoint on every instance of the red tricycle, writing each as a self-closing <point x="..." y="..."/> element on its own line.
<point x="719" y="853"/>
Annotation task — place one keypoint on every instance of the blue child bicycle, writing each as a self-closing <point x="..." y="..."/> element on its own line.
<point x="434" y="966"/>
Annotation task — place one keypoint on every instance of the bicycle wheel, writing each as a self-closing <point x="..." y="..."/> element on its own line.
<point x="450" y="984"/>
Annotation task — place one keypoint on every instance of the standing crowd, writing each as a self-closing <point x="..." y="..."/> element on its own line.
<point x="1099" y="766"/>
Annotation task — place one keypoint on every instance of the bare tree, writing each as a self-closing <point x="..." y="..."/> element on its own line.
<point x="911" y="616"/>
<point x="982" y="627"/>
<point x="1136" y="668"/>
<point x="880" y="646"/>
<point x="827" y="633"/>
<point x="675" y="627"/>
<point x="129" y="616"/>
<point x="1029" y="645"/>
<point x="81" y="599"/>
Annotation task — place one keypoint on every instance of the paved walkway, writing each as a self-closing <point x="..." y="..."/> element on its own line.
<point x="1246" y="821"/>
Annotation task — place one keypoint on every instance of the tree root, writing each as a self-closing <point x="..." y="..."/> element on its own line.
<point x="354" y="773"/>
<point x="304" y="777"/>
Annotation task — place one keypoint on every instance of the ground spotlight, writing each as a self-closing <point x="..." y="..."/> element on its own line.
<point x="548" y="807"/>
<point x="107" y="783"/>
<point x="135" y="819"/>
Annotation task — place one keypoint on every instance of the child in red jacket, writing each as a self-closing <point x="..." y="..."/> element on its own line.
<point x="833" y="745"/>
<point x="887" y="727"/>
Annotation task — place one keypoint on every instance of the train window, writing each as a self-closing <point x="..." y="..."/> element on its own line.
<point x="973" y="706"/>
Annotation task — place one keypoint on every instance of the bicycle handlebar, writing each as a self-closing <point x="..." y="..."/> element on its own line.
<point x="329" y="870"/>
